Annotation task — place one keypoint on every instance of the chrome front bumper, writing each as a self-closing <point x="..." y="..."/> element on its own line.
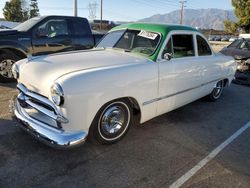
<point x="52" y="136"/>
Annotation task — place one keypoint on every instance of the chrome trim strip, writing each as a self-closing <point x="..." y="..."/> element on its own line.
<point x="178" y="93"/>
<point x="48" y="135"/>
<point x="42" y="109"/>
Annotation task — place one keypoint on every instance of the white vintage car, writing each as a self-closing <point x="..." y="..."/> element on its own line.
<point x="141" y="70"/>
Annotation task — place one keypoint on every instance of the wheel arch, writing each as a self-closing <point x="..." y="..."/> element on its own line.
<point x="134" y="105"/>
<point x="21" y="54"/>
<point x="226" y="82"/>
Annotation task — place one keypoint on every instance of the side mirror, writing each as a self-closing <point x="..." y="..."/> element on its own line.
<point x="168" y="56"/>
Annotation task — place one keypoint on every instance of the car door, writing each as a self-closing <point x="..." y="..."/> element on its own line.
<point x="210" y="65"/>
<point x="52" y="35"/>
<point x="179" y="78"/>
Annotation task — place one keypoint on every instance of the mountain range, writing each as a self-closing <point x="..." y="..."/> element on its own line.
<point x="201" y="18"/>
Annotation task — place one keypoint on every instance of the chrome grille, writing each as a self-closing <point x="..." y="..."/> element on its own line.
<point x="39" y="107"/>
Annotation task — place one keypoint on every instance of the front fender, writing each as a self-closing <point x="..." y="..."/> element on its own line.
<point x="87" y="91"/>
<point x="14" y="45"/>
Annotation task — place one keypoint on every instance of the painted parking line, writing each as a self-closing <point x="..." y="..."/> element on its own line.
<point x="209" y="157"/>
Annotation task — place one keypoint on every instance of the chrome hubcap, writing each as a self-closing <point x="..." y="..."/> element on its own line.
<point x="6" y="68"/>
<point x="114" y="121"/>
<point x="218" y="89"/>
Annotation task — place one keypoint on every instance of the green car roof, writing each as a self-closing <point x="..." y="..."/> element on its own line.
<point x="163" y="29"/>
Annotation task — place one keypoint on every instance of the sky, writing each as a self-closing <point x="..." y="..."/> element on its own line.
<point x="123" y="10"/>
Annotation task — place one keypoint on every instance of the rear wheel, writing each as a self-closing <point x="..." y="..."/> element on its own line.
<point x="7" y="60"/>
<point x="112" y="122"/>
<point x="217" y="91"/>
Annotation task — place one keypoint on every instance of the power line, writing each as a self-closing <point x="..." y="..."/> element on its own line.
<point x="62" y="8"/>
<point x="119" y="14"/>
<point x="156" y="5"/>
<point x="149" y="4"/>
<point x="167" y="3"/>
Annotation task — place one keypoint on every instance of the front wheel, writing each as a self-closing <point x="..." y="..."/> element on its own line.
<point x="112" y="122"/>
<point x="217" y="91"/>
<point x="7" y="60"/>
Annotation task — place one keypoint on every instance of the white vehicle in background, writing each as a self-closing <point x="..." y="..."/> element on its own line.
<point x="245" y="36"/>
<point x="232" y="39"/>
<point x="142" y="70"/>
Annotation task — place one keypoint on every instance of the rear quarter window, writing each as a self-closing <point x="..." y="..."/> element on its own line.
<point x="81" y="27"/>
<point x="203" y="47"/>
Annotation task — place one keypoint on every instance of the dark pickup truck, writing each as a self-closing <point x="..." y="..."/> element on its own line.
<point x="43" y="35"/>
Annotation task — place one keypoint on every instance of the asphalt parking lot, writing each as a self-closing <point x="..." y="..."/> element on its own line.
<point x="155" y="154"/>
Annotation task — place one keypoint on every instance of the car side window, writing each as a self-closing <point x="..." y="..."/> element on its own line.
<point x="248" y="44"/>
<point x="180" y="45"/>
<point x="183" y="45"/>
<point x="80" y="27"/>
<point x="203" y="47"/>
<point x="53" y="28"/>
<point x="244" y="45"/>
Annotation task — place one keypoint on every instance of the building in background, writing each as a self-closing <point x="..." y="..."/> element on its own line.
<point x="106" y="25"/>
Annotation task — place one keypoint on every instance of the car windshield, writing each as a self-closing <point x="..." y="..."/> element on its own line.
<point x="241" y="44"/>
<point x="25" y="26"/>
<point x="137" y="41"/>
<point x="236" y="43"/>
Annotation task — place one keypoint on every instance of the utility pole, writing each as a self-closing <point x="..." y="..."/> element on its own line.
<point x="101" y="16"/>
<point x="182" y="10"/>
<point x="227" y="15"/>
<point x="75" y="7"/>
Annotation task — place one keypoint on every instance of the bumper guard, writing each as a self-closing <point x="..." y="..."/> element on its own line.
<point x="56" y="138"/>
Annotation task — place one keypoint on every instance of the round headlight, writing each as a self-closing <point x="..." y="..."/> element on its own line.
<point x="56" y="94"/>
<point x="15" y="71"/>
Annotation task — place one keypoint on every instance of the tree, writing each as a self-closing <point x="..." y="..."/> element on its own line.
<point x="34" y="10"/>
<point x="13" y="11"/>
<point x="230" y="26"/>
<point x="25" y="10"/>
<point x="242" y="11"/>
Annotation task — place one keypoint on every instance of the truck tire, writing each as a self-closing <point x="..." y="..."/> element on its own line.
<point x="6" y="62"/>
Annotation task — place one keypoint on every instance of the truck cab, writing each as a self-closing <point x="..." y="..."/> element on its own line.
<point x="43" y="35"/>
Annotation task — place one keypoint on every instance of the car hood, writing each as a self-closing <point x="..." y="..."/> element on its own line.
<point x="8" y="32"/>
<point x="39" y="73"/>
